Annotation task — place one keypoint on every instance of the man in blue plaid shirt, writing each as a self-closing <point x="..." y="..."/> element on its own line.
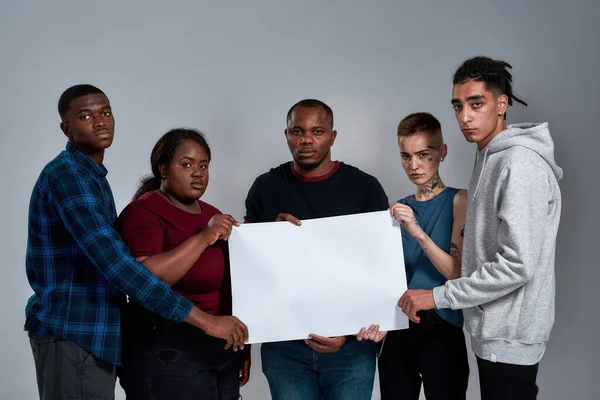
<point x="80" y="270"/>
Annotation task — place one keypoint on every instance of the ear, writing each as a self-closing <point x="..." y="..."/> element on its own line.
<point x="502" y="105"/>
<point x="162" y="169"/>
<point x="443" y="151"/>
<point x="66" y="128"/>
<point x="333" y="136"/>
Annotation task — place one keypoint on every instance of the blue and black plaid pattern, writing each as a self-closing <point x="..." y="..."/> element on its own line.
<point x="77" y="264"/>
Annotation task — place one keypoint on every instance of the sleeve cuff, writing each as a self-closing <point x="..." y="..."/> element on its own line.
<point x="182" y="310"/>
<point x="440" y="297"/>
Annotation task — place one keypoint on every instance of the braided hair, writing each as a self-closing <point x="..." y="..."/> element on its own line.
<point x="494" y="73"/>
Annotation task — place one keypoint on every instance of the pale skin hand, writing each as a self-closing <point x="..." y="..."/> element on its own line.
<point x="413" y="301"/>
<point x="372" y="333"/>
<point x="405" y="216"/>
<point x="447" y="264"/>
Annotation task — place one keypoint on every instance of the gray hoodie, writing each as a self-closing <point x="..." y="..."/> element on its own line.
<point x="513" y="212"/>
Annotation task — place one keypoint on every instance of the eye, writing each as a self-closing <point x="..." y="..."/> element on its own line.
<point x="424" y="155"/>
<point x="457" y="107"/>
<point x="84" y="117"/>
<point x="186" y="165"/>
<point x="296" y="132"/>
<point x="317" y="131"/>
<point x="106" y="113"/>
<point x="204" y="167"/>
<point x="477" y="104"/>
<point x="405" y="157"/>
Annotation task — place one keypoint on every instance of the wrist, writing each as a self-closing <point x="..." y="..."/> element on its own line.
<point x="421" y="237"/>
<point x="203" y="238"/>
<point x="200" y="319"/>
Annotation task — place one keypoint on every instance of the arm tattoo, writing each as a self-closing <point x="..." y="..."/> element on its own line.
<point x="454" y="251"/>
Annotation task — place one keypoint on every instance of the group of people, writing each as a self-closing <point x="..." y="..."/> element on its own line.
<point x="146" y="295"/>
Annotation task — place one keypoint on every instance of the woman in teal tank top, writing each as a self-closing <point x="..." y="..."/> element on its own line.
<point x="432" y="352"/>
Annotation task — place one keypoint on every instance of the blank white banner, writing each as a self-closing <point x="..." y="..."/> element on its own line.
<point x="330" y="276"/>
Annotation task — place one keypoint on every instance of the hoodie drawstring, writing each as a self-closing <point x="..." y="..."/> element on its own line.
<point x="481" y="172"/>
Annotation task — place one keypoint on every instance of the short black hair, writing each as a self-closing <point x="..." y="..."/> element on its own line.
<point x="494" y="73"/>
<point x="311" y="103"/>
<point x="72" y="93"/>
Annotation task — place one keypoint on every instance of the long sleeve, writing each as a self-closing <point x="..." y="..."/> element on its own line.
<point x="523" y="214"/>
<point x="78" y="202"/>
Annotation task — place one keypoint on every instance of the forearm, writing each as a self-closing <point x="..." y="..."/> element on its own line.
<point x="199" y="319"/>
<point x="490" y="282"/>
<point x="442" y="261"/>
<point x="172" y="265"/>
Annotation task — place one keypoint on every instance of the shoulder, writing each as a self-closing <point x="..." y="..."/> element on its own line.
<point x="354" y="173"/>
<point x="520" y="158"/>
<point x="62" y="168"/>
<point x="274" y="174"/>
<point x="524" y="164"/>
<point x="460" y="201"/>
<point x="270" y="179"/>
<point x="460" y="197"/>
<point x="146" y="206"/>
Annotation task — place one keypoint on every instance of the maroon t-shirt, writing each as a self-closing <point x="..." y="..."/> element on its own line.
<point x="152" y="225"/>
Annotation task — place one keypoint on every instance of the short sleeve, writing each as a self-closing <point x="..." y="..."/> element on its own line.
<point x="141" y="230"/>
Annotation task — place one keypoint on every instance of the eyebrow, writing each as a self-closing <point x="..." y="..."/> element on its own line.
<point x="470" y="98"/>
<point x="86" y="109"/>
<point x="476" y="97"/>
<point x="193" y="159"/>
<point x="416" y="152"/>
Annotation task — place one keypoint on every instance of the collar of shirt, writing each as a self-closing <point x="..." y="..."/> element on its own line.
<point x="83" y="161"/>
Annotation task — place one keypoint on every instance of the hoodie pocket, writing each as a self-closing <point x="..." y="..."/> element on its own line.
<point x="501" y="317"/>
<point x="516" y="317"/>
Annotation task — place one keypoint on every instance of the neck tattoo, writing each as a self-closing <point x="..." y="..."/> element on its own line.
<point x="430" y="189"/>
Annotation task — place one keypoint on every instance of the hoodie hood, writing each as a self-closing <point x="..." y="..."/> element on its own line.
<point x="532" y="136"/>
<point x="535" y="137"/>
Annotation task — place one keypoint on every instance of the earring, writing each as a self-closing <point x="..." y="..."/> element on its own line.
<point x="441" y="158"/>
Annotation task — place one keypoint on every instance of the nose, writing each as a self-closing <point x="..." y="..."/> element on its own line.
<point x="465" y="115"/>
<point x="306" y="139"/>
<point x="99" y="121"/>
<point x="197" y="172"/>
<point x="414" y="163"/>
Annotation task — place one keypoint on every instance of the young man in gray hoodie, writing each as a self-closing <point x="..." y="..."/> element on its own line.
<point x="507" y="286"/>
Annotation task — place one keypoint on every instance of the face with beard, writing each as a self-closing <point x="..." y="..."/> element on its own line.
<point x="310" y="137"/>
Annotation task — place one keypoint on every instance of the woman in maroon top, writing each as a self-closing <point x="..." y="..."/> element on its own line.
<point x="182" y="240"/>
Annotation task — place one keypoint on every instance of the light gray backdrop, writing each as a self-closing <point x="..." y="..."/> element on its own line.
<point x="233" y="68"/>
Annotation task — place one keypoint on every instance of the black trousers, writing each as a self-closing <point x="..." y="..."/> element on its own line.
<point x="433" y="353"/>
<point x="65" y="370"/>
<point x="500" y="381"/>
<point x="164" y="360"/>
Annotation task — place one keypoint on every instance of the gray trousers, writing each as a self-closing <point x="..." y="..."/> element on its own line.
<point x="65" y="371"/>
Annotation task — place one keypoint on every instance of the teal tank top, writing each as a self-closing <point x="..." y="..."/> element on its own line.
<point x="435" y="216"/>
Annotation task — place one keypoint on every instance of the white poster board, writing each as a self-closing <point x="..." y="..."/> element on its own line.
<point x="329" y="276"/>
